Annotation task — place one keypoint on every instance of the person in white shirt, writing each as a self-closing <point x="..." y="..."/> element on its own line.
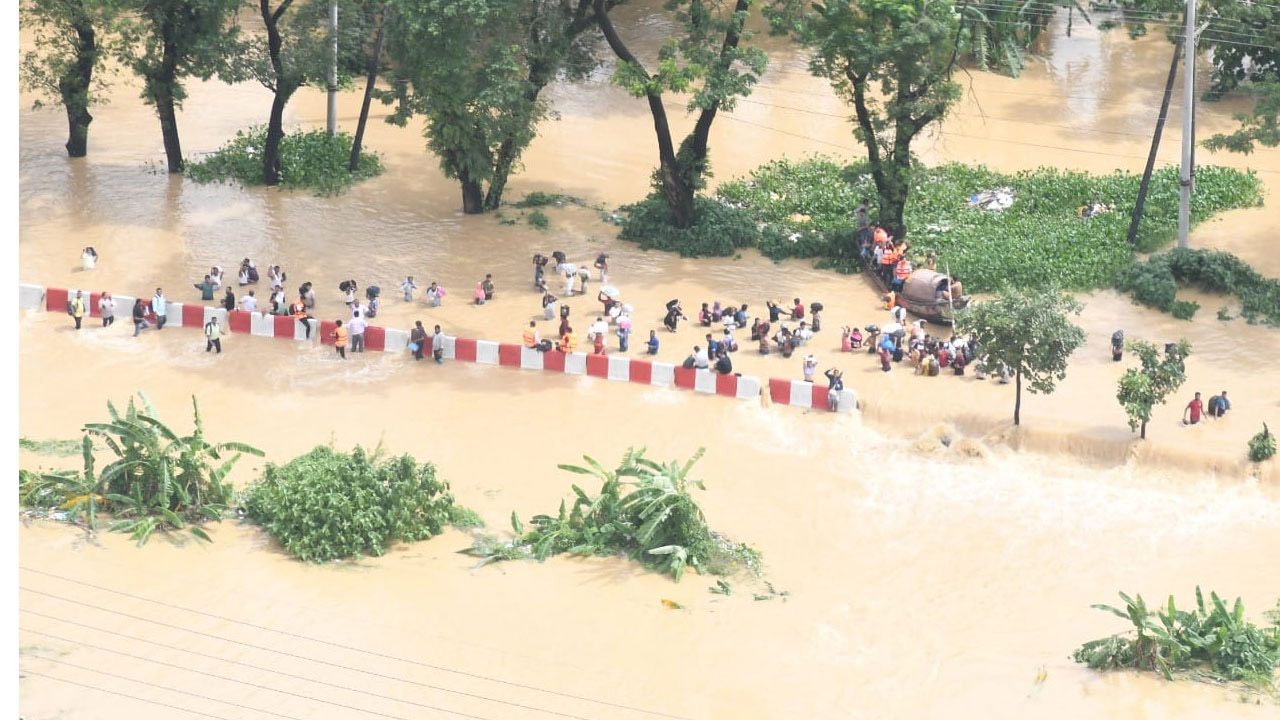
<point x="276" y="277"/>
<point x="599" y="328"/>
<point x="359" y="311"/>
<point x="215" y="276"/>
<point x="107" y="309"/>
<point x="159" y="308"/>
<point x="700" y="359"/>
<point x="803" y="333"/>
<point x="243" y="279"/>
<point x="570" y="272"/>
<point x="356" y="328"/>
<point x="407" y="287"/>
<point x="88" y="258"/>
<point x="435" y="294"/>
<point x="249" y="303"/>
<point x="810" y="364"/>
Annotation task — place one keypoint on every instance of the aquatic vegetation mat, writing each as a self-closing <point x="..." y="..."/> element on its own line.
<point x="309" y="159"/>
<point x="806" y="209"/>
<point x="644" y="510"/>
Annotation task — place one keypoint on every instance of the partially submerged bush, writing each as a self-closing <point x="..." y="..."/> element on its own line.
<point x="327" y="505"/>
<point x="157" y="481"/>
<point x="644" y="510"/>
<point x="1208" y="638"/>
<point x="309" y="159"/>
<point x="1155" y="283"/>
<point x="1262" y="446"/>
<point x="718" y="229"/>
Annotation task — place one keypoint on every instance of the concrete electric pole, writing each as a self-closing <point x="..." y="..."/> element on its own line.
<point x="1188" y="127"/>
<point x="331" y="118"/>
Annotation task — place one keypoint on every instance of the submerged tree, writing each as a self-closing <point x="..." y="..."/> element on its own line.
<point x="1141" y="389"/>
<point x="708" y="48"/>
<point x="1025" y="334"/>
<point x="167" y="41"/>
<point x="475" y="69"/>
<point x="295" y="51"/>
<point x="66" y="65"/>
<point x="892" y="60"/>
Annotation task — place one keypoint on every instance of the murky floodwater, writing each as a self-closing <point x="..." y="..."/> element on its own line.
<point x="922" y="580"/>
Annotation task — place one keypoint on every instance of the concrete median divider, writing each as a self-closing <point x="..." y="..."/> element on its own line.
<point x="618" y="368"/>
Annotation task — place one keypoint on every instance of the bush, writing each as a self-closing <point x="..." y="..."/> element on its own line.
<point x="157" y="480"/>
<point x="310" y="159"/>
<point x="1262" y="446"/>
<point x="539" y="219"/>
<point x="328" y="505"/>
<point x="1155" y="283"/>
<point x="542" y="199"/>
<point x="718" y="230"/>
<point x="656" y="523"/>
<point x="1171" y="640"/>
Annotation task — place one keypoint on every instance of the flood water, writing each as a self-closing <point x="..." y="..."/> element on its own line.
<point x="922" y="580"/>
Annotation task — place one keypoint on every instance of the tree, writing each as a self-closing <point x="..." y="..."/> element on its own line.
<point x="295" y="51"/>
<point x="1261" y="126"/>
<point x="166" y="41"/>
<point x="371" y="80"/>
<point x="708" y="48"/>
<point x="69" y="50"/>
<point x="1141" y="389"/>
<point x="475" y="69"/>
<point x="892" y="60"/>
<point x="1025" y="334"/>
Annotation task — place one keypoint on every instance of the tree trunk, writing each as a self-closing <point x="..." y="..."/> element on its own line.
<point x="1143" y="433"/>
<point x="509" y="152"/>
<point x="371" y="79"/>
<point x="472" y="195"/>
<point x="166" y="110"/>
<point x="74" y="86"/>
<point x="275" y="132"/>
<point x="1017" y="403"/>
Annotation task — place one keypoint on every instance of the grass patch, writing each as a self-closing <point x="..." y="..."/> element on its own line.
<point x="806" y="209"/>
<point x="57" y="448"/>
<point x="309" y="160"/>
<point x="538" y="219"/>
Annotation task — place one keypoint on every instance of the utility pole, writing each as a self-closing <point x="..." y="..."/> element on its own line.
<point x="1155" y="144"/>
<point x="1188" y="127"/>
<point x="331" y="117"/>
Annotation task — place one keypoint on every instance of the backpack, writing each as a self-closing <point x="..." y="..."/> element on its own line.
<point x="688" y="363"/>
<point x="70" y="307"/>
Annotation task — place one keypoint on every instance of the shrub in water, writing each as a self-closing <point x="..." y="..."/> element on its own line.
<point x="310" y="159"/>
<point x="328" y="505"/>
<point x="718" y="230"/>
<point x="1155" y="283"/>
<point x="1262" y="446"/>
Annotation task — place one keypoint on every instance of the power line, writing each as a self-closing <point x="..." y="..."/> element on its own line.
<point x="121" y="694"/>
<point x="323" y="642"/>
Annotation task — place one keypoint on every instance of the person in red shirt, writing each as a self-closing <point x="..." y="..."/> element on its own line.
<point x="1194" y="409"/>
<point x="797" y="312"/>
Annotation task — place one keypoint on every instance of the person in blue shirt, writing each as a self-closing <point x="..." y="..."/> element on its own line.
<point x="652" y="345"/>
<point x="1219" y="405"/>
<point x="713" y="346"/>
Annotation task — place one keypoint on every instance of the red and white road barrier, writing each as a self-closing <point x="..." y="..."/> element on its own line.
<point x="618" y="368"/>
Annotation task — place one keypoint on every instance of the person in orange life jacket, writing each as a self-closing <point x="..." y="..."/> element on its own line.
<point x="533" y="340"/>
<point x="567" y="341"/>
<point x="300" y="314"/>
<point x="339" y="336"/>
<point x="901" y="273"/>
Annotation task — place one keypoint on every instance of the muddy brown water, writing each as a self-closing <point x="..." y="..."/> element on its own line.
<point x="923" y="579"/>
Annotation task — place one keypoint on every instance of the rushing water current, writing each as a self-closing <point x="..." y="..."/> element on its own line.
<point x="924" y="579"/>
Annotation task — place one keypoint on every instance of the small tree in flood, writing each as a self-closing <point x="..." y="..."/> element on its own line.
<point x="1141" y="389"/>
<point x="1026" y="335"/>
<point x="166" y="41"/>
<point x="69" y="50"/>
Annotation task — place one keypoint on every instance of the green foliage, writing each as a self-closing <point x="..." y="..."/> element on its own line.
<point x="538" y="199"/>
<point x="464" y="517"/>
<point x="1169" y="640"/>
<point x="326" y="505"/>
<point x="1262" y="446"/>
<point x="309" y="159"/>
<point x="1155" y="282"/>
<point x="157" y="480"/>
<point x="60" y="448"/>
<point x="1260" y="126"/>
<point x="644" y="510"/>
<point x="539" y="219"/>
<point x="1028" y="335"/>
<point x="718" y="230"/>
<point x="1141" y="389"/>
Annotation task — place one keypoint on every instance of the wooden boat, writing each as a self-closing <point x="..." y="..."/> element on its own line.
<point x="920" y="294"/>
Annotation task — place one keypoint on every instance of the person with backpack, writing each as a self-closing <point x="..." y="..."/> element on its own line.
<point x="75" y="308"/>
<point x="159" y="308"/>
<point x="1117" y="345"/>
<point x="417" y="339"/>
<point x="213" y="335"/>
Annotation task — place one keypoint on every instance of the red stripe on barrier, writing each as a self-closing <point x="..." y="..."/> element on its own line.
<point x="193" y="315"/>
<point x="375" y="338"/>
<point x="598" y="365"/>
<point x="553" y="360"/>
<point x="464" y="349"/>
<point x="282" y="325"/>
<point x="326" y="332"/>
<point x="93" y="309"/>
<point x="820" y="396"/>
<point x="239" y="321"/>
<point x="641" y="372"/>
<point x="780" y="391"/>
<point x="685" y="378"/>
<point x="509" y="355"/>
<point x="727" y="385"/>
<point x="55" y="300"/>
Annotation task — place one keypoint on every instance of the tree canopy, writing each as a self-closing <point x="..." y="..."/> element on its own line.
<point x="1141" y="389"/>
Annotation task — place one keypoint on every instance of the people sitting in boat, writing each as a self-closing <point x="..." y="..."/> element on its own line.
<point x="900" y="274"/>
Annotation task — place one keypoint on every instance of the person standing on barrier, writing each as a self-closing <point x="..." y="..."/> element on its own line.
<point x="339" y="336"/>
<point x="107" y="309"/>
<point x="356" y="328"/>
<point x="417" y="339"/>
<point x="299" y="309"/>
<point x="160" y="308"/>
<point x="139" y="316"/>
<point x="213" y="331"/>
<point x="75" y="308"/>
<point x="437" y="346"/>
